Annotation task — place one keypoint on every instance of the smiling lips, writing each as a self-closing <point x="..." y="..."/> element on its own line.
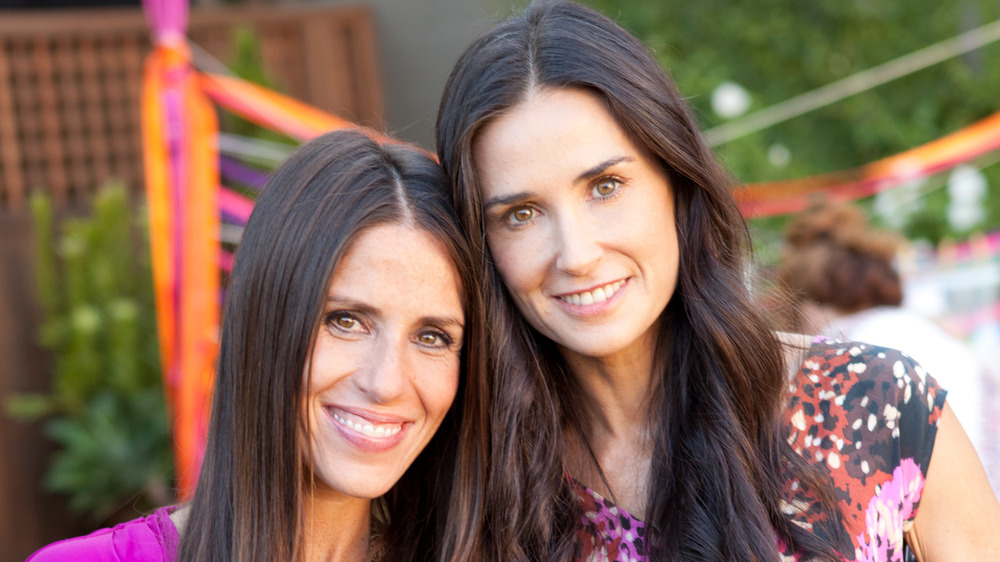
<point x="368" y="429"/>
<point x="594" y="296"/>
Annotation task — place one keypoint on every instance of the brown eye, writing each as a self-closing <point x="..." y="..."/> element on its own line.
<point x="522" y="215"/>
<point x="605" y="187"/>
<point x="433" y="339"/>
<point x="344" y="322"/>
<point x="429" y="339"/>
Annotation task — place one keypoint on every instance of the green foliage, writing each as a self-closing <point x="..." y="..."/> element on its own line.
<point x="106" y="409"/>
<point x="247" y="64"/>
<point x="778" y="49"/>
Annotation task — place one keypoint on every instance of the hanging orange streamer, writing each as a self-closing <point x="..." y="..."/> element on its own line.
<point x="179" y="131"/>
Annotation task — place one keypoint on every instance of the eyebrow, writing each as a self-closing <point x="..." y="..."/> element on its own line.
<point x="589" y="173"/>
<point x="504" y="200"/>
<point x="596" y="170"/>
<point x="443" y="321"/>
<point x="350" y="304"/>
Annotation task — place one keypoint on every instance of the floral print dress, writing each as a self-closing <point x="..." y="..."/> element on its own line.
<point x="868" y="414"/>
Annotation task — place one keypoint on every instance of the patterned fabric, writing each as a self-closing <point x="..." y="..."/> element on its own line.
<point x="867" y="414"/>
<point x="148" y="539"/>
<point x="607" y="532"/>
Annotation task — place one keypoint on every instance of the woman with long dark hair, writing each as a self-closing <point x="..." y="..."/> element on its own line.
<point x="639" y="405"/>
<point x="341" y="357"/>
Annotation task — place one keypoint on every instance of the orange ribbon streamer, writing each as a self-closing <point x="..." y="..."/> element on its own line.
<point x="179" y="131"/>
<point x="782" y="197"/>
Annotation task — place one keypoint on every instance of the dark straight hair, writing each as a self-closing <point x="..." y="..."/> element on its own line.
<point x="248" y="505"/>
<point x="720" y="458"/>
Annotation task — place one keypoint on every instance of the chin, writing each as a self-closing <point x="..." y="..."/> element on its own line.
<point x="592" y="349"/>
<point x="364" y="490"/>
<point x="366" y="484"/>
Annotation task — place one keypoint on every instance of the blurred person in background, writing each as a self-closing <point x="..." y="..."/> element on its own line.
<point x="841" y="274"/>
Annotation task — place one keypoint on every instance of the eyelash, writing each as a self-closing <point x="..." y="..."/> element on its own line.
<point x="334" y="315"/>
<point x="508" y="217"/>
<point x="331" y="321"/>
<point x="619" y="184"/>
<point x="446" y="340"/>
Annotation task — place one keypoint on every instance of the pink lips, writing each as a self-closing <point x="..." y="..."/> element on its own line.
<point x="594" y="308"/>
<point x="383" y="432"/>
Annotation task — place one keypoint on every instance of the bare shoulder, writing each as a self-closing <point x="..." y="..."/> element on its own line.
<point x="179" y="518"/>
<point x="958" y="515"/>
<point x="795" y="347"/>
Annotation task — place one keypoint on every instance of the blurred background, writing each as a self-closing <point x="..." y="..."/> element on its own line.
<point x="797" y="97"/>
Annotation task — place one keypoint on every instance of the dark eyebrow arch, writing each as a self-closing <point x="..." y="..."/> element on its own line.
<point x="351" y="304"/>
<point x="444" y="322"/>
<point x="505" y="200"/>
<point x="598" y="169"/>
<point x="367" y="309"/>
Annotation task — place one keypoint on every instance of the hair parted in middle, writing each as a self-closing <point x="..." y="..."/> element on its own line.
<point x="250" y="496"/>
<point x="720" y="457"/>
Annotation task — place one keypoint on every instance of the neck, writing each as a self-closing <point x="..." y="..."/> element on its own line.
<point x="336" y="527"/>
<point x="615" y="423"/>
<point x="616" y="388"/>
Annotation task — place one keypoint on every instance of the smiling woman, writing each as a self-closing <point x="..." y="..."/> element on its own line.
<point x="583" y="225"/>
<point x="350" y="338"/>
<point x="385" y="362"/>
<point x="641" y="406"/>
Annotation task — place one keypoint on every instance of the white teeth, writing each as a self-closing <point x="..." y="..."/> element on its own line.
<point x="370" y="430"/>
<point x="598" y="295"/>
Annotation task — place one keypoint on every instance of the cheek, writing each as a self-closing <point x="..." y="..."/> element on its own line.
<point x="437" y="388"/>
<point x="317" y="375"/>
<point x="516" y="259"/>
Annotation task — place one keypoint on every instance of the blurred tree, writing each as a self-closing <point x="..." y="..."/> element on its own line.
<point x="106" y="410"/>
<point x="777" y="49"/>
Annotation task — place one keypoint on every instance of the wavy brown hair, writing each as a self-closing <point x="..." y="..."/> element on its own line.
<point x="720" y="458"/>
<point x="248" y="505"/>
<point x="833" y="256"/>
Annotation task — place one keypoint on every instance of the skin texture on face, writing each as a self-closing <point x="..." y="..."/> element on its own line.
<point x="385" y="365"/>
<point x="580" y="224"/>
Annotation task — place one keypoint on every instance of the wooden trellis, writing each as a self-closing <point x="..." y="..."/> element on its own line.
<point x="69" y="87"/>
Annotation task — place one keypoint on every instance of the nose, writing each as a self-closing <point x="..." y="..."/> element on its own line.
<point x="578" y="244"/>
<point x="386" y="376"/>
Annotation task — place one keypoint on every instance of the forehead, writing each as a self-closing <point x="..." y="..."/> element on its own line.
<point x="552" y="135"/>
<point x="400" y="266"/>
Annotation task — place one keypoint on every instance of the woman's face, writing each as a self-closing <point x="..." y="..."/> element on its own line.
<point x="385" y="365"/>
<point x="580" y="223"/>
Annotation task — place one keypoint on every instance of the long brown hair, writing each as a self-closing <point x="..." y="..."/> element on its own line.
<point x="248" y="505"/>
<point x="720" y="458"/>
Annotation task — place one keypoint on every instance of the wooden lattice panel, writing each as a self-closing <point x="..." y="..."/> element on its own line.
<point x="68" y="108"/>
<point x="70" y="85"/>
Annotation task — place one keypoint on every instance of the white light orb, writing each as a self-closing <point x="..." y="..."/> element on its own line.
<point x="729" y="100"/>
<point x="966" y="190"/>
<point x="779" y="155"/>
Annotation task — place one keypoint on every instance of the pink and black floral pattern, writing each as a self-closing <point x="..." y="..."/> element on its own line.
<point x="869" y="415"/>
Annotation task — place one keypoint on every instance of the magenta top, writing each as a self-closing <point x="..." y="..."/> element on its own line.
<point x="148" y="539"/>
